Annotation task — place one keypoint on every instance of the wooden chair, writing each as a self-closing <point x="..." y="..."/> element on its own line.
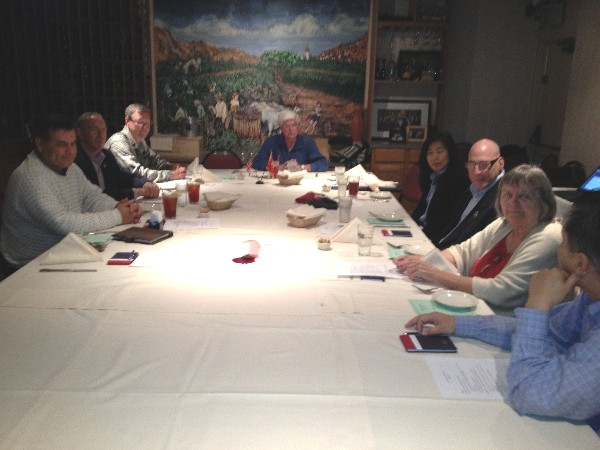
<point x="222" y="159"/>
<point x="514" y="155"/>
<point x="411" y="191"/>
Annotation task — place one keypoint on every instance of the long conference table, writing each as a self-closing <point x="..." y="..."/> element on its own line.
<point x="187" y="349"/>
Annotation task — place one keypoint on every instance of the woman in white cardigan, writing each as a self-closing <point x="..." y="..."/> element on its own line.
<point x="497" y="263"/>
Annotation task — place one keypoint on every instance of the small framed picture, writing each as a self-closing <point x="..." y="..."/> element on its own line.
<point x="397" y="114"/>
<point x="416" y="133"/>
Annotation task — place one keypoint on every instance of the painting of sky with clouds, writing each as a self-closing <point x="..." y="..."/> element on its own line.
<point x="256" y="26"/>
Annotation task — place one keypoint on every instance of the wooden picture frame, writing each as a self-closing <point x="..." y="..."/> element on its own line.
<point x="416" y="133"/>
<point x="392" y="114"/>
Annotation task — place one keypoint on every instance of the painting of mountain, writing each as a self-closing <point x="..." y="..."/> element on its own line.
<point x="225" y="69"/>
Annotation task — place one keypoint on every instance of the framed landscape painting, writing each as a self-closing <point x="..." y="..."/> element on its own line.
<point x="225" y="69"/>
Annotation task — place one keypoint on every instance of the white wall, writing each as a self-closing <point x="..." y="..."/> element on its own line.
<point x="490" y="71"/>
<point x="492" y="84"/>
<point x="581" y="130"/>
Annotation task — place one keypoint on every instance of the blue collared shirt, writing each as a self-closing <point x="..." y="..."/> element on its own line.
<point x="555" y="358"/>
<point x="304" y="151"/>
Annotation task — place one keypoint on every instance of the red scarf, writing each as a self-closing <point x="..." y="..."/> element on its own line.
<point x="492" y="262"/>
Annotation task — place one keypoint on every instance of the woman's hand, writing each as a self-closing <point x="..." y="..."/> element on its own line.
<point x="403" y="261"/>
<point x="438" y="323"/>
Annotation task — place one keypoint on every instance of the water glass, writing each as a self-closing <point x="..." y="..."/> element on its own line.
<point x="342" y="183"/>
<point x="365" y="239"/>
<point x="344" y="207"/>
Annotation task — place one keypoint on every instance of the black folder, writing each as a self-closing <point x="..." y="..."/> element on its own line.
<point x="142" y="235"/>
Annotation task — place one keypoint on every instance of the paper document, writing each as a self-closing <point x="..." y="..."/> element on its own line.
<point x="191" y="224"/>
<point x="470" y="379"/>
<point x="353" y="269"/>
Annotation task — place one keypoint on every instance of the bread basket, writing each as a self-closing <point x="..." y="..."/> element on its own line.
<point x="288" y="181"/>
<point x="304" y="216"/>
<point x="287" y="178"/>
<point x="302" y="222"/>
<point x="219" y="201"/>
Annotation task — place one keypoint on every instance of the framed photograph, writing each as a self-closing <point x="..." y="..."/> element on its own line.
<point x="397" y="114"/>
<point x="416" y="133"/>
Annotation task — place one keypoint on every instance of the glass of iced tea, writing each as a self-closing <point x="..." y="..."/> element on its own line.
<point x="193" y="192"/>
<point x="353" y="183"/>
<point x="169" y="204"/>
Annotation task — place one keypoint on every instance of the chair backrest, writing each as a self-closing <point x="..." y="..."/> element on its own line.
<point x="222" y="159"/>
<point x="411" y="190"/>
<point x="463" y="151"/>
<point x="514" y="155"/>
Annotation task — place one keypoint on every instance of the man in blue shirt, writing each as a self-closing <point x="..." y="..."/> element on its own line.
<point x="555" y="362"/>
<point x="289" y="146"/>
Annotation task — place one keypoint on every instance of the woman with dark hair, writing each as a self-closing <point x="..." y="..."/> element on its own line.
<point x="442" y="179"/>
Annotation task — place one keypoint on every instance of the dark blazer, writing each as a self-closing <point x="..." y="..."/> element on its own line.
<point x="442" y="210"/>
<point x="118" y="183"/>
<point x="480" y="217"/>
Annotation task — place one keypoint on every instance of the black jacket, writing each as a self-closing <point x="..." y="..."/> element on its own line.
<point x="442" y="209"/>
<point x="118" y="183"/>
<point x="480" y="217"/>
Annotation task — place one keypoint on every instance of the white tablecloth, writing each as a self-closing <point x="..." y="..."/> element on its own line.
<point x="190" y="350"/>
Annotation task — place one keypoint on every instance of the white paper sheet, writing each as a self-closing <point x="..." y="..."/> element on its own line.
<point x="469" y="379"/>
<point x="386" y="269"/>
<point x="191" y="224"/>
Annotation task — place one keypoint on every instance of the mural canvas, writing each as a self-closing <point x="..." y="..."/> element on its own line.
<point x="225" y="69"/>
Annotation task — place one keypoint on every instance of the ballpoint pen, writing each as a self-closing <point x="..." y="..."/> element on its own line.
<point x="67" y="270"/>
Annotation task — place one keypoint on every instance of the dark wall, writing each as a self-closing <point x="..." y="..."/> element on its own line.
<point x="72" y="56"/>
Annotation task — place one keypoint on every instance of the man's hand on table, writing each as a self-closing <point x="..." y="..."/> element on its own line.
<point x="437" y="323"/>
<point x="148" y="190"/>
<point x="130" y="211"/>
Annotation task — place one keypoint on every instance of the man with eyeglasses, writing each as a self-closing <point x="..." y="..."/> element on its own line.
<point x="133" y="153"/>
<point x="475" y="208"/>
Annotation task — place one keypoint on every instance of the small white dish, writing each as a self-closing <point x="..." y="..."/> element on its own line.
<point x="381" y="195"/>
<point x="415" y="249"/>
<point x="455" y="299"/>
<point x="393" y="216"/>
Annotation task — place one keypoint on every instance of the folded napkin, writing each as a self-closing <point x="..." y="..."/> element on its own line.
<point x="209" y="177"/>
<point x="72" y="249"/>
<point x="368" y="179"/>
<point x="386" y="223"/>
<point x="358" y="171"/>
<point x="317" y="200"/>
<point x="348" y="233"/>
<point x="194" y="167"/>
<point x="306" y="211"/>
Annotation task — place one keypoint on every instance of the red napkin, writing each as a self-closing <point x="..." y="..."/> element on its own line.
<point x="308" y="197"/>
